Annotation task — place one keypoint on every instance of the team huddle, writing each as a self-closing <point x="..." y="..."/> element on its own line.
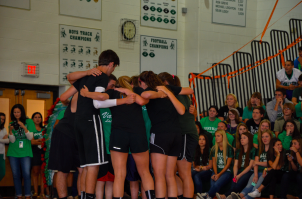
<point x="143" y="128"/>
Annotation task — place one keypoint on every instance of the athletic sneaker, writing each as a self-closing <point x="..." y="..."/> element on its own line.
<point x="218" y="196"/>
<point x="229" y="197"/>
<point x="255" y="194"/>
<point x="202" y="195"/>
<point x="235" y="195"/>
<point x="208" y="197"/>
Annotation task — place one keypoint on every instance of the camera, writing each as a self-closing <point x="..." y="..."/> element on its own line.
<point x="15" y="125"/>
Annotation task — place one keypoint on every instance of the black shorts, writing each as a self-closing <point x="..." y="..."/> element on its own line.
<point x="63" y="155"/>
<point x="188" y="148"/>
<point x="105" y="168"/>
<point x="36" y="159"/>
<point x="166" y="143"/>
<point x="122" y="141"/>
<point x="90" y="140"/>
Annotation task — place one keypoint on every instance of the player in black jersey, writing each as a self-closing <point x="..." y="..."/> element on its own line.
<point x="166" y="139"/>
<point x="90" y="138"/>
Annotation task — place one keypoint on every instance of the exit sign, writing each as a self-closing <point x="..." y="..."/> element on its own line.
<point x="30" y="70"/>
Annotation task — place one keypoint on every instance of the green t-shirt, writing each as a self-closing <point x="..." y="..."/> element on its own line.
<point x="106" y="118"/>
<point x="61" y="115"/>
<point x="262" y="158"/>
<point x="286" y="140"/>
<point x="38" y="134"/>
<point x="248" y="114"/>
<point x="200" y="159"/>
<point x="208" y="125"/>
<point x="255" y="138"/>
<point x="220" y="161"/>
<point x="230" y="139"/>
<point x="187" y="120"/>
<point x="299" y="111"/>
<point x="297" y="94"/>
<point x="22" y="146"/>
<point x="147" y="123"/>
<point x="252" y="157"/>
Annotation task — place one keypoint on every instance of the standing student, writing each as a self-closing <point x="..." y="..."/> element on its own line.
<point x="166" y="138"/>
<point x="189" y="136"/>
<point x="241" y="128"/>
<point x="3" y="140"/>
<point x="288" y="113"/>
<point x="260" y="165"/>
<point x="87" y="122"/>
<point x="230" y="102"/>
<point x="296" y="154"/>
<point x="127" y="134"/>
<point x="37" y="152"/>
<point x="255" y="101"/>
<point x="278" y="162"/>
<point x="19" y="151"/>
<point x="264" y="125"/>
<point x="254" y="122"/>
<point x="210" y="123"/>
<point x="290" y="130"/>
<point x="222" y="154"/>
<point x="232" y="121"/>
<point x="202" y="164"/>
<point x="242" y="169"/>
<point x="105" y="183"/>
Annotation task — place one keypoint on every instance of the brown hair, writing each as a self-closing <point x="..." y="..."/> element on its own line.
<point x="236" y="117"/>
<point x="290" y="106"/>
<point x="255" y="95"/>
<point x="151" y="79"/>
<point x="261" y="146"/>
<point x="238" y="136"/>
<point x="247" y="155"/>
<point x="171" y="79"/>
<point x="134" y="81"/>
<point x="125" y="82"/>
<point x="298" y="139"/>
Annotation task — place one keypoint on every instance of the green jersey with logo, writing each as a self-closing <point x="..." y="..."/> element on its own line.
<point x="22" y="146"/>
<point x="210" y="126"/>
<point x="251" y="157"/>
<point x="220" y="160"/>
<point x="106" y="119"/>
<point x="262" y="158"/>
<point x="38" y="134"/>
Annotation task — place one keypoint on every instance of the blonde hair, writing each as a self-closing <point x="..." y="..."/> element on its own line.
<point x="224" y="145"/>
<point x="125" y="82"/>
<point x="235" y="98"/>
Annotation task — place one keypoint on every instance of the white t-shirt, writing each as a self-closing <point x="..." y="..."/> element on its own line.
<point x="3" y="132"/>
<point x="285" y="80"/>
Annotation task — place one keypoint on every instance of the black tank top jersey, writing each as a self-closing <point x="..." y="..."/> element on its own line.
<point x="85" y="108"/>
<point x="66" y="124"/>
<point x="127" y="117"/>
<point x="162" y="113"/>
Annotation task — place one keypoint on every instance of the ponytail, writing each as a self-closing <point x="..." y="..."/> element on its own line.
<point x="171" y="79"/>
<point x="151" y="79"/>
<point x="125" y="82"/>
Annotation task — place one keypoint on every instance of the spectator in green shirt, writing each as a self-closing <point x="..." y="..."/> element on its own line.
<point x="241" y="128"/>
<point x="210" y="123"/>
<point x="21" y="131"/>
<point x="223" y="126"/>
<point x="255" y="100"/>
<point x="290" y="130"/>
<point x="243" y="166"/>
<point x="264" y="125"/>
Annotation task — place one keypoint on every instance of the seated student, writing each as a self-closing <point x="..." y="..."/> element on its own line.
<point x="223" y="126"/>
<point x="274" y="108"/>
<point x="298" y="109"/>
<point x="254" y="122"/>
<point x="289" y="131"/>
<point x="278" y="162"/>
<point x="230" y="102"/>
<point x="288" y="113"/>
<point x="243" y="166"/>
<point x="264" y="125"/>
<point x="297" y="92"/>
<point x="298" y="61"/>
<point x="241" y="128"/>
<point x="201" y="131"/>
<point x="202" y="164"/>
<point x="255" y="101"/>
<point x="296" y="153"/>
<point x="260" y="165"/>
<point x="222" y="155"/>
<point x="210" y="123"/>
<point x="232" y="121"/>
<point x="287" y="78"/>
